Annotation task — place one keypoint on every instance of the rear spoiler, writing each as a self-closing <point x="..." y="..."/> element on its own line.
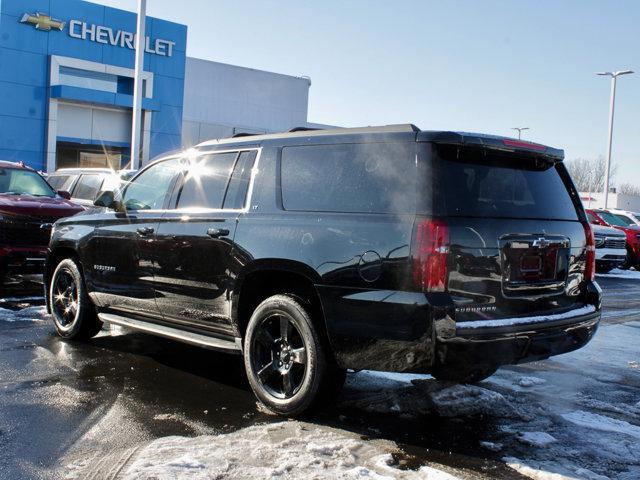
<point x="491" y="142"/>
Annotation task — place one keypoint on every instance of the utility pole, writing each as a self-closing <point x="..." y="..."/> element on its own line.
<point x="138" y="94"/>
<point x="614" y="76"/>
<point x="520" y="129"/>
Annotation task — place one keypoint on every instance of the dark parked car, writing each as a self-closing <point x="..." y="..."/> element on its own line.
<point x="28" y="208"/>
<point x="313" y="252"/>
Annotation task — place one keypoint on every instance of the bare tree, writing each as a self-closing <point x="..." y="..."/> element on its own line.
<point x="588" y="174"/>
<point x="629" y="189"/>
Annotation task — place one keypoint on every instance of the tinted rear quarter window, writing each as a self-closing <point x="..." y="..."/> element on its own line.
<point x="62" y="182"/>
<point x="362" y="178"/>
<point x="476" y="184"/>
<point x="88" y="187"/>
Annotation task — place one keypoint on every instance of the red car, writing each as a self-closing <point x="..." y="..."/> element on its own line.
<point x="28" y="208"/>
<point x="608" y="219"/>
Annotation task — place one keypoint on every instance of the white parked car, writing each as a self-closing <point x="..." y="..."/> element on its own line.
<point x="84" y="184"/>
<point x="611" y="247"/>
<point x="630" y="218"/>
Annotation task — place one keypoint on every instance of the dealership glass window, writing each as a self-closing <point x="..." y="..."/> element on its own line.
<point x="149" y="190"/>
<point x="73" y="155"/>
<point x="88" y="187"/>
<point x="367" y="178"/>
<point x="76" y="77"/>
<point x="206" y="181"/>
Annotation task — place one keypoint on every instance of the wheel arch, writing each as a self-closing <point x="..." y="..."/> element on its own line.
<point x="264" y="278"/>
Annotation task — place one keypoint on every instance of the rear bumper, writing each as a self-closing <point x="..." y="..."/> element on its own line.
<point x="22" y="260"/>
<point x="520" y="343"/>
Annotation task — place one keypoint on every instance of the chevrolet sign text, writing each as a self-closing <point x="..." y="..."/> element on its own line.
<point x="117" y="38"/>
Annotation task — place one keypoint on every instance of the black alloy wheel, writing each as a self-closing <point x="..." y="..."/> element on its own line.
<point x="74" y="315"/>
<point x="284" y="357"/>
<point x="64" y="298"/>
<point x="279" y="356"/>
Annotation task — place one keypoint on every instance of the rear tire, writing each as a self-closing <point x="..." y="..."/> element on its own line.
<point x="603" y="269"/>
<point x="74" y="315"/>
<point x="285" y="359"/>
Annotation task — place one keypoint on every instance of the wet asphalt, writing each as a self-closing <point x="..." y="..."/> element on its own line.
<point x="68" y="404"/>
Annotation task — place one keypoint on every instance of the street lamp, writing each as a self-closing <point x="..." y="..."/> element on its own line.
<point x="520" y="129"/>
<point x="138" y="94"/>
<point x="614" y="76"/>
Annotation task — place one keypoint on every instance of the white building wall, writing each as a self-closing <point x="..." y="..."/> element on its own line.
<point x="616" y="200"/>
<point x="221" y="100"/>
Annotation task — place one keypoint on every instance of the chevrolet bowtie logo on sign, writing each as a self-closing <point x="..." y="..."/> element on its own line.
<point x="42" y="21"/>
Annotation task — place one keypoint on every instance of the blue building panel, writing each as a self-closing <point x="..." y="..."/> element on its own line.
<point x="81" y="30"/>
<point x="24" y="101"/>
<point x="26" y="68"/>
<point x="162" y="143"/>
<point x="15" y="37"/>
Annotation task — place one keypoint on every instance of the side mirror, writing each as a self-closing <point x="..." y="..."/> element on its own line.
<point x="64" y="194"/>
<point x="107" y="199"/>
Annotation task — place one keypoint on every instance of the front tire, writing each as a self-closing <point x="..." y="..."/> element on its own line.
<point x="284" y="356"/>
<point x="74" y="315"/>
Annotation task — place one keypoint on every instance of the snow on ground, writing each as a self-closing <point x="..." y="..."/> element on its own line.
<point x="286" y="450"/>
<point x="29" y="314"/>
<point x="625" y="274"/>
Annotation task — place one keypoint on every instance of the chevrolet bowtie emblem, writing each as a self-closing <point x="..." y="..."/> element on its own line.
<point x="42" y="21"/>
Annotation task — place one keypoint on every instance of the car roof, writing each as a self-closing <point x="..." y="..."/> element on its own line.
<point x="398" y="132"/>
<point x="65" y="171"/>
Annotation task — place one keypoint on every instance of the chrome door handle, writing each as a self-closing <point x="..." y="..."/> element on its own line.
<point x="217" y="232"/>
<point x="144" y="231"/>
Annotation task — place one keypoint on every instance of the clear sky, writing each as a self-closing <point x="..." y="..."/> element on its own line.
<point x="462" y="65"/>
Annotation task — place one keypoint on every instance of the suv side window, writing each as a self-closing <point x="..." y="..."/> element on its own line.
<point x="365" y="178"/>
<point x="149" y="190"/>
<point x="88" y="187"/>
<point x="206" y="180"/>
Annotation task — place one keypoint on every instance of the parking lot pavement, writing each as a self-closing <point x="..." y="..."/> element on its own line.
<point x="126" y="405"/>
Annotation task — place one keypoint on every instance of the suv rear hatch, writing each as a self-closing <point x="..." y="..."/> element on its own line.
<point x="514" y="226"/>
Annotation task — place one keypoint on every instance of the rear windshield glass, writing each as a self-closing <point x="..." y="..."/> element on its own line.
<point x="472" y="184"/>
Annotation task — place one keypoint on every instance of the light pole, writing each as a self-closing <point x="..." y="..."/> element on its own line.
<point x="138" y="94"/>
<point x="520" y="129"/>
<point x="614" y="76"/>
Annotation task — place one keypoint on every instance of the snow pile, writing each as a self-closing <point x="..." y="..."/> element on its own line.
<point x="625" y="274"/>
<point x="287" y="450"/>
<point x="465" y="400"/>
<point x="536" y="439"/>
<point x="594" y="421"/>
<point x="29" y="314"/>
<point x="550" y="471"/>
<point x="530" y="381"/>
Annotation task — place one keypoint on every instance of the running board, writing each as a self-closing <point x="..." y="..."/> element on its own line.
<point x="191" y="338"/>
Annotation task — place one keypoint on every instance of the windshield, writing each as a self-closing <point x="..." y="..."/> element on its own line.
<point x="625" y="219"/>
<point x="612" y="219"/>
<point x="14" y="181"/>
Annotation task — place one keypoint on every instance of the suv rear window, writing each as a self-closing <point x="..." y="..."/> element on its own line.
<point x="363" y="178"/>
<point x="506" y="186"/>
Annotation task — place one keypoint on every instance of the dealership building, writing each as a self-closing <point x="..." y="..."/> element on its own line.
<point x="66" y="88"/>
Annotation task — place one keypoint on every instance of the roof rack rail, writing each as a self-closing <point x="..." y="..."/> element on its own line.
<point x="244" y="134"/>
<point x="302" y="129"/>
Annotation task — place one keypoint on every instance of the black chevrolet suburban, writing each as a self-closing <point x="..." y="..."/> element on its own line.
<point x="313" y="252"/>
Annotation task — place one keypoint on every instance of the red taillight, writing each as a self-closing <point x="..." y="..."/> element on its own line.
<point x="590" y="268"/>
<point x="430" y="256"/>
